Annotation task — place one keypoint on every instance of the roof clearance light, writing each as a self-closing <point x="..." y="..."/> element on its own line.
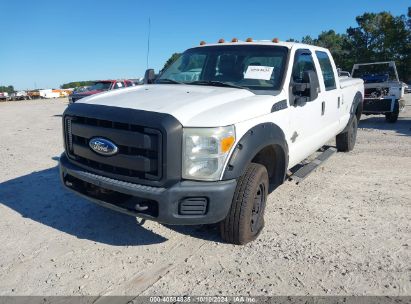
<point x="234" y="40"/>
<point x="221" y="40"/>
<point x="202" y="42"/>
<point x="249" y="40"/>
<point x="275" y="40"/>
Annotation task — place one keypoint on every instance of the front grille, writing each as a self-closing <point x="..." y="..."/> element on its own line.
<point x="139" y="154"/>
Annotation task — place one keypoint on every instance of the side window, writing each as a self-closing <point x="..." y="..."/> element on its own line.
<point x="327" y="70"/>
<point x="302" y="63"/>
<point x="119" y="85"/>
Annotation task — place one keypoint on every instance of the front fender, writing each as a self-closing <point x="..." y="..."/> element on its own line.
<point x="255" y="140"/>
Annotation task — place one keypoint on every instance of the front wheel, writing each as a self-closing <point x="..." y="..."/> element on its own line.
<point x="245" y="220"/>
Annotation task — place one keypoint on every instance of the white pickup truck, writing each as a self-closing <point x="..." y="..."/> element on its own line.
<point x="383" y="91"/>
<point x="213" y="136"/>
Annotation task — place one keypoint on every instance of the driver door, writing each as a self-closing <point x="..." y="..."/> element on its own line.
<point x="307" y="119"/>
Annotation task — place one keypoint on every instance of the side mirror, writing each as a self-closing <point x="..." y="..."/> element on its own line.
<point x="307" y="90"/>
<point x="149" y="76"/>
<point x="312" y="78"/>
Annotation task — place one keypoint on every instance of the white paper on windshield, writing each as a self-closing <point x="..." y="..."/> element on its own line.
<point x="258" y="72"/>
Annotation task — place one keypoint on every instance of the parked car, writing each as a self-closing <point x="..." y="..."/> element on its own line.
<point x="99" y="87"/>
<point x="408" y="88"/>
<point x="213" y="136"/>
<point x="4" y="96"/>
<point x="383" y="89"/>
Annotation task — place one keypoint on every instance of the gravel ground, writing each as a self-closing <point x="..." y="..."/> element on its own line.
<point x="344" y="231"/>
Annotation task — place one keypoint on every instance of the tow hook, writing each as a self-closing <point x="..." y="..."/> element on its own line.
<point x="140" y="207"/>
<point x="140" y="221"/>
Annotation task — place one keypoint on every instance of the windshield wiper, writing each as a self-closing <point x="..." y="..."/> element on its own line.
<point x="217" y="84"/>
<point x="167" y="80"/>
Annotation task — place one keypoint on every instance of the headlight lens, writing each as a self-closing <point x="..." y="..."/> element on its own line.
<point x="205" y="151"/>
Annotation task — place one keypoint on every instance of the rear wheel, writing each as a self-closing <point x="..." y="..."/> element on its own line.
<point x="346" y="140"/>
<point x="245" y="219"/>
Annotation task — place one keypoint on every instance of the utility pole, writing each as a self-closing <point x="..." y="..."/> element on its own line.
<point x="148" y="40"/>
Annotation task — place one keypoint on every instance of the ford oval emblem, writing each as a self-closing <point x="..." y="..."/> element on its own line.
<point x="103" y="146"/>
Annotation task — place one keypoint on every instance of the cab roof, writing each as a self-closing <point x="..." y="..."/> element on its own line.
<point x="289" y="45"/>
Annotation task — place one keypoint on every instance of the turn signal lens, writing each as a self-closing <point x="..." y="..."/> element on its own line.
<point x="227" y="143"/>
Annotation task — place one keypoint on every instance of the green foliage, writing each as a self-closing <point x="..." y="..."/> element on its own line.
<point x="76" y="84"/>
<point x="377" y="37"/>
<point x="170" y="60"/>
<point x="9" y="89"/>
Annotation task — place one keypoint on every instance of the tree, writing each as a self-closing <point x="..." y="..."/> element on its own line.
<point x="382" y="37"/>
<point x="170" y="61"/>
<point x="308" y="40"/>
<point x="76" y="84"/>
<point x="377" y="37"/>
<point x="338" y="45"/>
<point x="9" y="89"/>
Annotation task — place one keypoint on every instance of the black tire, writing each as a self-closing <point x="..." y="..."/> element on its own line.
<point x="245" y="220"/>
<point x="346" y="140"/>
<point x="393" y="116"/>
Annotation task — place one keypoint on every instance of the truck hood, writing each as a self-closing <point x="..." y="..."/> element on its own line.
<point x="192" y="105"/>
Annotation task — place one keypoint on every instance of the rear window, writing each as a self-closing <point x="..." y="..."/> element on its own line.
<point x="327" y="70"/>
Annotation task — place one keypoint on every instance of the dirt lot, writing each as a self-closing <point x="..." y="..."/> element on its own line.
<point x="344" y="231"/>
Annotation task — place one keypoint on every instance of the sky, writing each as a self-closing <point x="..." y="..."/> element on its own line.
<point x="47" y="43"/>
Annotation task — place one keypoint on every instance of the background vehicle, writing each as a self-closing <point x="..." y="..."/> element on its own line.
<point x="48" y="94"/>
<point x="100" y="86"/>
<point x="4" y="96"/>
<point x="383" y="90"/>
<point x="20" y="95"/>
<point x="213" y="136"/>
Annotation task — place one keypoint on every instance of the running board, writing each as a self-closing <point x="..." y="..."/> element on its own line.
<point x="304" y="170"/>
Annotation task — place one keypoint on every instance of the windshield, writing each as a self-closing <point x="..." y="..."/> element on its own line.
<point x="254" y="67"/>
<point x="100" y="86"/>
<point x="374" y="73"/>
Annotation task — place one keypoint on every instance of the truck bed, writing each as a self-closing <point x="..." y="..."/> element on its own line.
<point x="349" y="81"/>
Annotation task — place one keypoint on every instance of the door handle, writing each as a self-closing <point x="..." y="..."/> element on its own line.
<point x="322" y="108"/>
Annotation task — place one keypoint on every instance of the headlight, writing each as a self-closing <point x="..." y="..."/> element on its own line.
<point x="205" y="151"/>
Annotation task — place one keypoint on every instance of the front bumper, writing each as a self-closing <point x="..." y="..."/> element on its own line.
<point x="378" y="105"/>
<point x="184" y="203"/>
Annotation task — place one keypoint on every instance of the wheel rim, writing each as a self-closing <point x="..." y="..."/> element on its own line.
<point x="258" y="208"/>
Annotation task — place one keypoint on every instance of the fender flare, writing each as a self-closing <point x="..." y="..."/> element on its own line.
<point x="356" y="104"/>
<point x="255" y="140"/>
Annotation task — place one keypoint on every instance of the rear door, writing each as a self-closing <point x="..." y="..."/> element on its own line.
<point x="331" y="95"/>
